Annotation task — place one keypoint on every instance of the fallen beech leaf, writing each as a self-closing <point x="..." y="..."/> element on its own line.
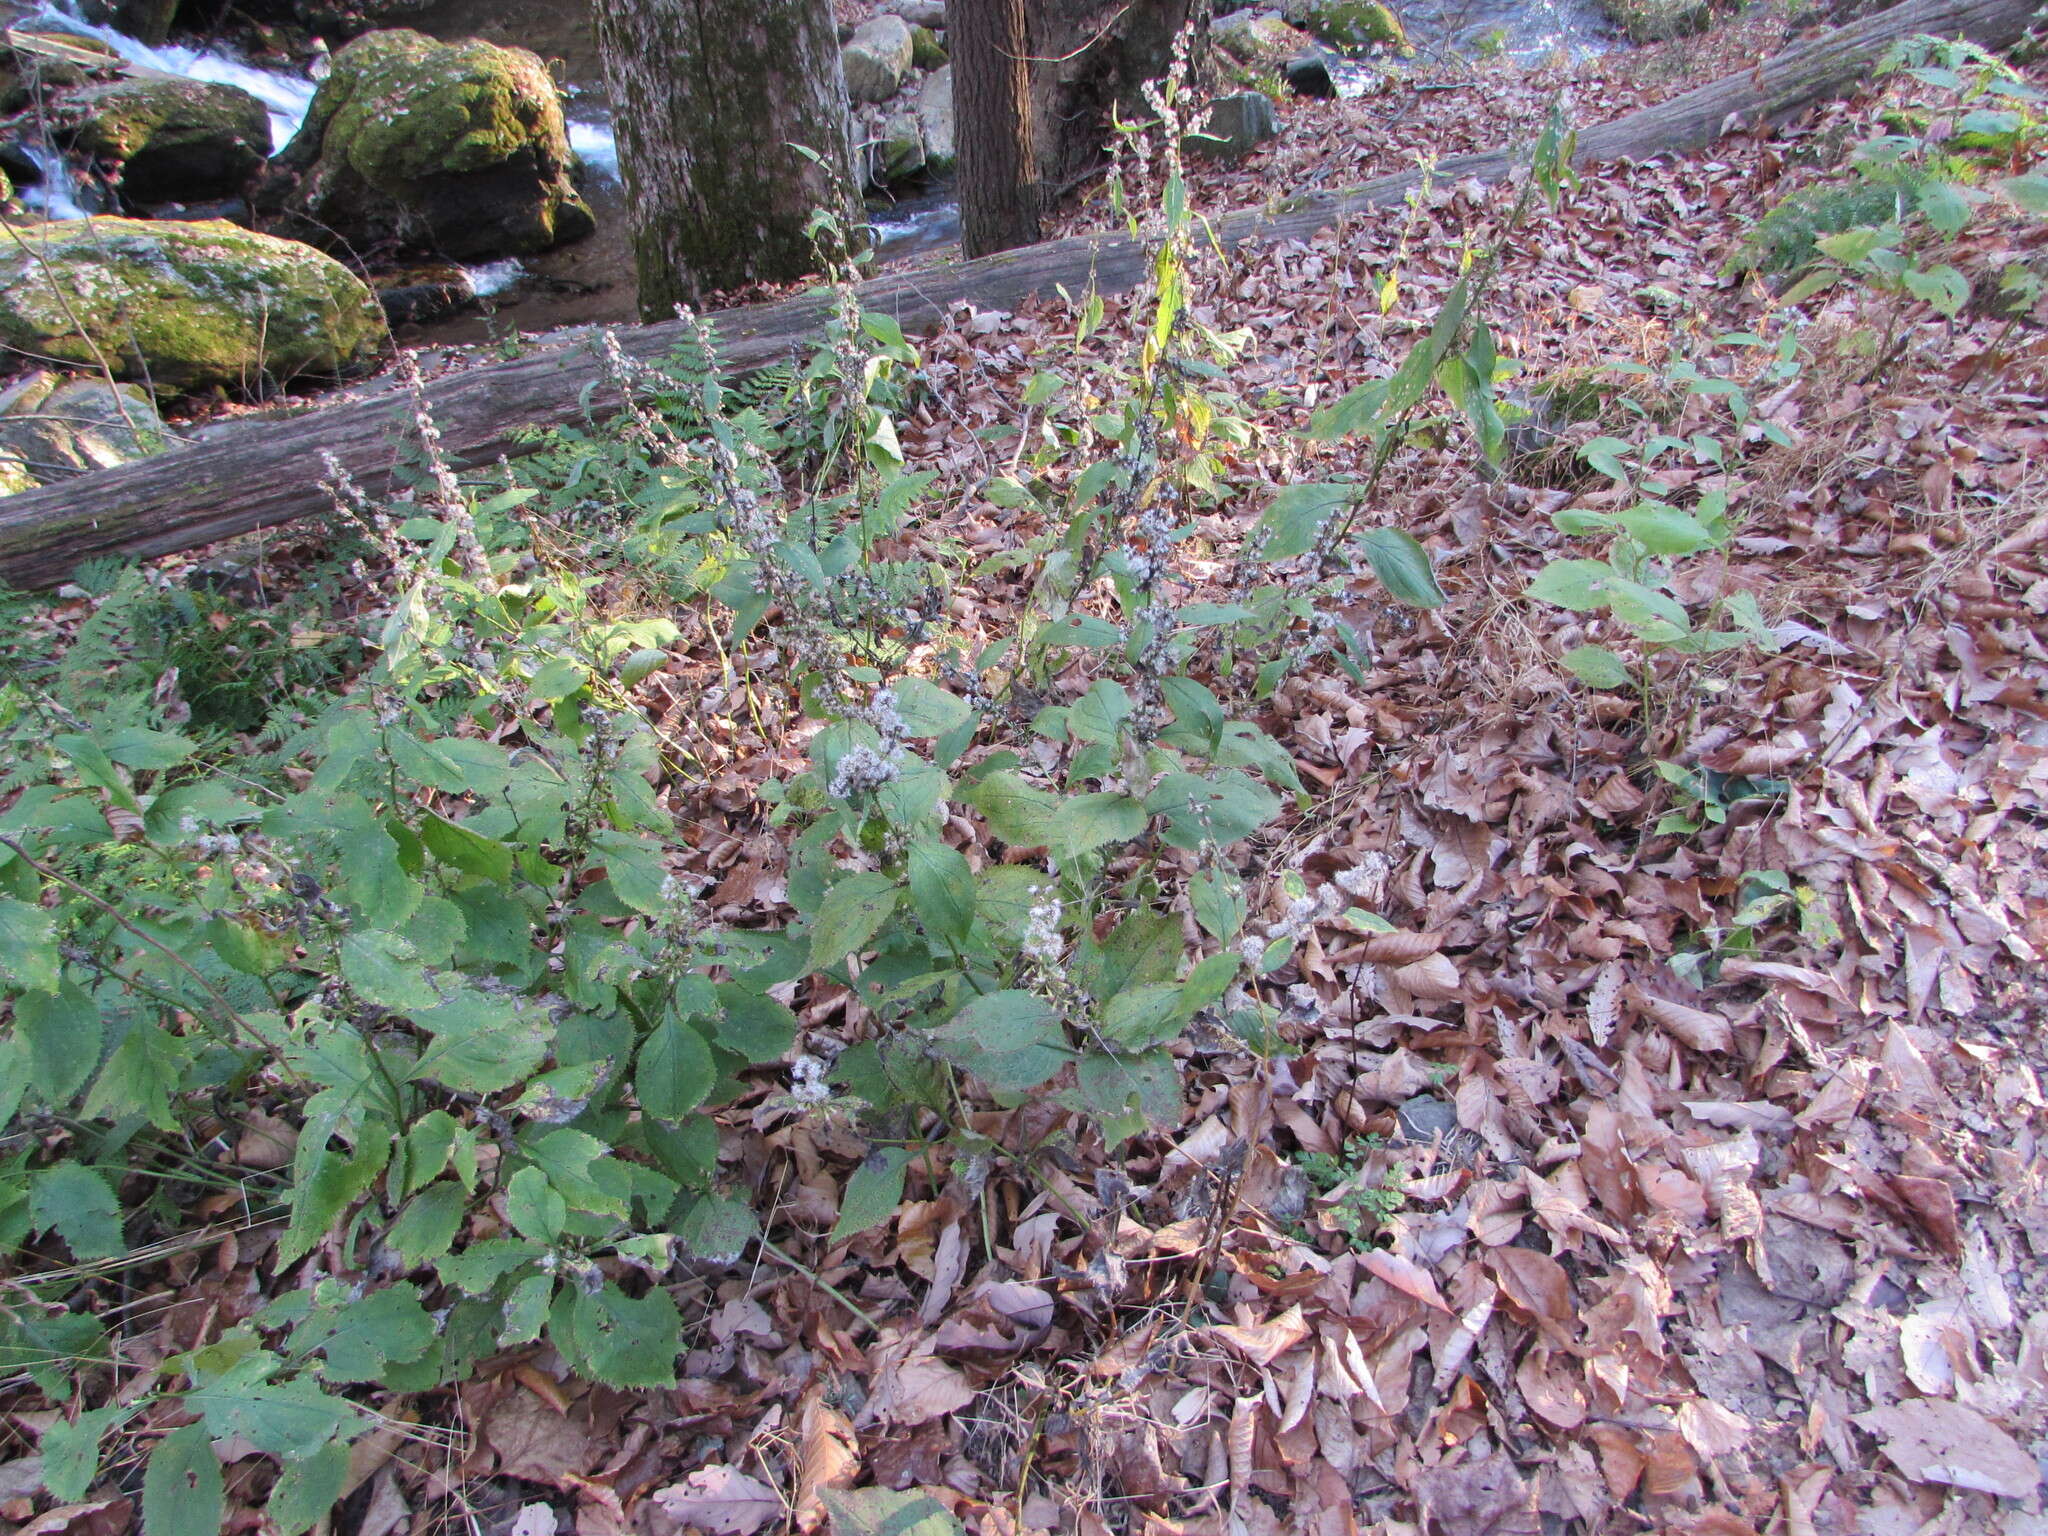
<point x="1433" y="978"/>
<point x="1710" y="1429"/>
<point x="1933" y="1440"/>
<point x="830" y="1458"/>
<point x="1405" y="1276"/>
<point x="1263" y="1343"/>
<point x="921" y="1390"/>
<point x="1695" y="1027"/>
<point x="722" y="1500"/>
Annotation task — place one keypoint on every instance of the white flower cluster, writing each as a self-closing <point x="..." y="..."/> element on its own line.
<point x="807" y="1085"/>
<point x="1042" y="940"/>
<point x="1302" y="914"/>
<point x="861" y="770"/>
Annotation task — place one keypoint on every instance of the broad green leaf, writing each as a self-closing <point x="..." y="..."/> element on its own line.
<point x="79" y="1205"/>
<point x="1296" y="515"/>
<point x="941" y="890"/>
<point x="534" y="1207"/>
<point x="673" y="1073"/>
<point x="1580" y="585"/>
<point x="1086" y="822"/>
<point x="385" y="969"/>
<point x="307" y="1489"/>
<point x="887" y="1512"/>
<point x="426" y="1228"/>
<point x="573" y="1161"/>
<point x="1942" y="286"/>
<point x="1220" y="809"/>
<point x="873" y="1193"/>
<point x="183" y="1493"/>
<point x="481" y="1043"/>
<point x="1403" y="567"/>
<point x="469" y="851"/>
<point x="852" y="913"/>
<point x="2030" y="192"/>
<point x="1138" y="1018"/>
<point x="717" y="1229"/>
<point x="623" y="1341"/>
<point x="1096" y="715"/>
<point x="1219" y="905"/>
<point x="28" y="946"/>
<point x="1597" y="667"/>
<point x="335" y="1182"/>
<point x="62" y="1030"/>
<point x="926" y="708"/>
<point x="71" y="1450"/>
<point x="360" y="1338"/>
<point x="1664" y="530"/>
<point x="1002" y="1021"/>
<point x="1018" y="813"/>
<point x="289" y="1419"/>
<point x="453" y="764"/>
<point x="753" y="1024"/>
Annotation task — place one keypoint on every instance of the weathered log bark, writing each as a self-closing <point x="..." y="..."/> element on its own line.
<point x="711" y="94"/>
<point x="256" y="473"/>
<point x="990" y="41"/>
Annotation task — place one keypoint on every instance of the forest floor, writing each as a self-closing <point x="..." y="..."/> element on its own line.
<point x="1762" y="1256"/>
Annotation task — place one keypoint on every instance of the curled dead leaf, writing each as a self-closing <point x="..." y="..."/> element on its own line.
<point x="1695" y="1027"/>
<point x="1434" y="978"/>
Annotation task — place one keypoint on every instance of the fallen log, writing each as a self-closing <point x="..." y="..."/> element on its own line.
<point x="260" y="472"/>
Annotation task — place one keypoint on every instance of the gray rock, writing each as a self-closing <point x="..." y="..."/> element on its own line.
<point x="53" y="427"/>
<point x="935" y="120"/>
<point x="1236" y="125"/>
<point x="1253" y="36"/>
<point x="1423" y="1118"/>
<point x="1322" y="73"/>
<point x="878" y="59"/>
<point x="919" y="13"/>
<point x="902" y="150"/>
<point x="174" y="140"/>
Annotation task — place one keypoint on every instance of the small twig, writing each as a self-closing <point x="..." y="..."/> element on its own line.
<point x="822" y="1284"/>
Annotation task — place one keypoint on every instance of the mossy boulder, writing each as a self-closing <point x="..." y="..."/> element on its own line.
<point x="459" y="148"/>
<point x="32" y="62"/>
<point x="184" y="306"/>
<point x="174" y="140"/>
<point x="53" y="427"/>
<point x="926" y="51"/>
<point x="1353" y="24"/>
<point x="877" y="58"/>
<point x="1258" y="38"/>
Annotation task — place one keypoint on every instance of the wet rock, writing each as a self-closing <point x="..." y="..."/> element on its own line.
<point x="878" y="59"/>
<point x="1322" y="74"/>
<point x="233" y="210"/>
<point x="1351" y="23"/>
<point x="422" y="295"/>
<point x="149" y="20"/>
<point x="1258" y="37"/>
<point x="926" y="51"/>
<point x="171" y="140"/>
<point x="32" y="62"/>
<point x="1236" y="125"/>
<point x="919" y="13"/>
<point x="53" y="427"/>
<point x="902" y="149"/>
<point x="458" y="148"/>
<point x="935" y="120"/>
<point x="185" y="306"/>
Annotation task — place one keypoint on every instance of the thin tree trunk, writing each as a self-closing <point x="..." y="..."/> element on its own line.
<point x="999" y="200"/>
<point x="709" y="97"/>
<point x="254" y="473"/>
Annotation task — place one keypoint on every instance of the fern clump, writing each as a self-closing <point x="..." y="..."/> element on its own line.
<point x="1786" y="240"/>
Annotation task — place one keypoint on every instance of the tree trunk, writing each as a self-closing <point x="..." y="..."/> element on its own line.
<point x="1089" y="58"/>
<point x="254" y="473"/>
<point x="998" y="173"/>
<point x="709" y="97"/>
